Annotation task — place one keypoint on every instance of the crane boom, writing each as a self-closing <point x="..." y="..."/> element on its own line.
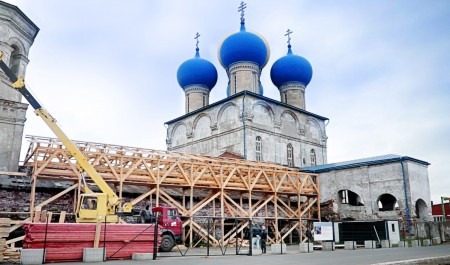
<point x="110" y="198"/>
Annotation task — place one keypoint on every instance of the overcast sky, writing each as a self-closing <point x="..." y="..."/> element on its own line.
<point x="106" y="69"/>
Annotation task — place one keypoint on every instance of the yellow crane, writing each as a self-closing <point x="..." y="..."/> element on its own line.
<point x="91" y="207"/>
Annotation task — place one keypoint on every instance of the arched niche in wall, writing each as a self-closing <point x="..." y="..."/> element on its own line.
<point x="179" y="134"/>
<point x="202" y="126"/>
<point x="313" y="130"/>
<point x="17" y="56"/>
<point x="421" y="209"/>
<point x="228" y="117"/>
<point x="289" y="123"/>
<point x="351" y="198"/>
<point x="262" y="114"/>
<point x="387" y="202"/>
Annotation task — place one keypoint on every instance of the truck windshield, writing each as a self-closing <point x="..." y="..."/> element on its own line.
<point x="172" y="213"/>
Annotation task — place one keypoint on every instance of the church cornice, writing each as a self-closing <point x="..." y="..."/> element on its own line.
<point x="244" y="66"/>
<point x="283" y="136"/>
<point x="196" y="88"/>
<point x="22" y="22"/>
<point x="292" y="86"/>
<point x="237" y="95"/>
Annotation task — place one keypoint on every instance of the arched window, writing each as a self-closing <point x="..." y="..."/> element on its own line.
<point x="350" y="197"/>
<point x="258" y="149"/>
<point x="290" y="155"/>
<point x="313" y="158"/>
<point x="387" y="202"/>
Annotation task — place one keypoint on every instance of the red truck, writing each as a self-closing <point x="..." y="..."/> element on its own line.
<point x="170" y="222"/>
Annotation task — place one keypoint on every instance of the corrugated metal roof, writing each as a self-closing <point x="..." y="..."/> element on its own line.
<point x="376" y="160"/>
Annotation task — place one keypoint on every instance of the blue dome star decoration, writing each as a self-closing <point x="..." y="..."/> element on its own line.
<point x="291" y="68"/>
<point x="244" y="46"/>
<point x="197" y="71"/>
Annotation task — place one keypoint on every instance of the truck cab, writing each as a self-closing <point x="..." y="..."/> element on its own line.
<point x="169" y="221"/>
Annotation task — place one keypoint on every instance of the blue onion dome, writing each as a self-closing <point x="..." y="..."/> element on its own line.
<point x="244" y="46"/>
<point x="197" y="71"/>
<point x="291" y="68"/>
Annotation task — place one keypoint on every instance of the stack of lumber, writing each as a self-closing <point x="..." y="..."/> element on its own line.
<point x="65" y="242"/>
<point x="241" y="242"/>
<point x="6" y="254"/>
<point x="5" y="223"/>
<point x="2" y="248"/>
<point x="11" y="255"/>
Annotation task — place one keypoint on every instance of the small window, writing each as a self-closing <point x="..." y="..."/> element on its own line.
<point x="313" y="158"/>
<point x="285" y="98"/>
<point x="204" y="100"/>
<point x="235" y="83"/>
<point x="393" y="228"/>
<point x="290" y="155"/>
<point x="258" y="149"/>
<point x="187" y="104"/>
<point x="15" y="61"/>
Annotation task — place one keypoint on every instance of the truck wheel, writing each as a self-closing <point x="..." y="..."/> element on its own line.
<point x="167" y="243"/>
<point x="145" y="217"/>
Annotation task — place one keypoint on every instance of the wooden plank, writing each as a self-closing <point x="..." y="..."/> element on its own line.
<point x="51" y="199"/>
<point x="10" y="173"/>
<point x="62" y="217"/>
<point x="14" y="240"/>
<point x="37" y="215"/>
<point x="98" y="228"/>
<point x="5" y="221"/>
<point x="43" y="217"/>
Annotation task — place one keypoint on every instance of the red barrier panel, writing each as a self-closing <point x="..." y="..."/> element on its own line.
<point x="65" y="242"/>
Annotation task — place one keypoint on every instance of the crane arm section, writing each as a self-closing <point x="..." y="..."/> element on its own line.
<point x="82" y="163"/>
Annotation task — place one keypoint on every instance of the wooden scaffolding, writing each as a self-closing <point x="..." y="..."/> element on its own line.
<point x="200" y="187"/>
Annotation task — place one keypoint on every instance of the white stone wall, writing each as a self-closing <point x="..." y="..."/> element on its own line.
<point x="419" y="186"/>
<point x="196" y="97"/>
<point x="12" y="119"/>
<point x="370" y="182"/>
<point x="220" y="129"/>
<point x="244" y="76"/>
<point x="17" y="34"/>
<point x="16" y="37"/>
<point x="293" y="94"/>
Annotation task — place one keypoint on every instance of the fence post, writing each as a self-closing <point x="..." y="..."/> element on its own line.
<point x="250" y="251"/>
<point x="45" y="239"/>
<point x="429" y="231"/>
<point x="104" y="241"/>
<point x="236" y="235"/>
<point x="155" y="239"/>
<point x="207" y="235"/>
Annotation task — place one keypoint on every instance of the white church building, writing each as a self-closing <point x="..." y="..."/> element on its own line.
<point x="248" y="125"/>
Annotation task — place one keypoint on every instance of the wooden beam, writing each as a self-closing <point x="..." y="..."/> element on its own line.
<point x="9" y="173"/>
<point x="212" y="180"/>
<point x="51" y="199"/>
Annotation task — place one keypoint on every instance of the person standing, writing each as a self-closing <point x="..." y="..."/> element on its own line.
<point x="256" y="232"/>
<point x="308" y="235"/>
<point x="263" y="236"/>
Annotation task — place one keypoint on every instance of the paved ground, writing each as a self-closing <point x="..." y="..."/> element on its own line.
<point x="347" y="257"/>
